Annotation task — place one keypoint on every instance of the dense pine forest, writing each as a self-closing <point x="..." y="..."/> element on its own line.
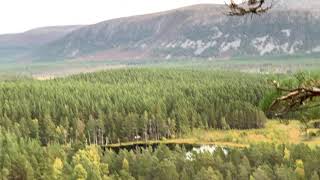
<point x="59" y="129"/>
<point x="121" y="105"/>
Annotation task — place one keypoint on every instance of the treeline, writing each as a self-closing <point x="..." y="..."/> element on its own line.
<point x="125" y="105"/>
<point x="23" y="159"/>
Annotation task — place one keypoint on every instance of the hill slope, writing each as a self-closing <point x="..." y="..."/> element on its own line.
<point x="20" y="44"/>
<point x="200" y="31"/>
<point x="196" y="31"/>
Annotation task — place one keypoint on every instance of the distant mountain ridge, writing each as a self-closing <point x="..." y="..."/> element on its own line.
<point x="21" y="44"/>
<point x="200" y="31"/>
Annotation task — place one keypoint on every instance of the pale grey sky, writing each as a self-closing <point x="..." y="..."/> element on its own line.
<point x="22" y="15"/>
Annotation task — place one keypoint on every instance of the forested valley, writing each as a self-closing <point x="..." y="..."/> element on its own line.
<point x="60" y="128"/>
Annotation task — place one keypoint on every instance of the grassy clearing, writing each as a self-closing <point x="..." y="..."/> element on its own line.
<point x="274" y="132"/>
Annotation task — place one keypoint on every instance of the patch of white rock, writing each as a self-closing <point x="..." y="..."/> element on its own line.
<point x="266" y="44"/>
<point x="226" y="46"/>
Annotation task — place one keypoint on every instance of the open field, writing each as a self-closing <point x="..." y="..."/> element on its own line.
<point x="265" y="65"/>
<point x="44" y="71"/>
<point x="274" y="132"/>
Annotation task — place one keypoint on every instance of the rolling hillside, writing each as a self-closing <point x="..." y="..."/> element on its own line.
<point x="199" y="31"/>
<point x="21" y="44"/>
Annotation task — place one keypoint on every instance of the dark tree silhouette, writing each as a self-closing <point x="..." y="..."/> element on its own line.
<point x="248" y="7"/>
<point x="295" y="99"/>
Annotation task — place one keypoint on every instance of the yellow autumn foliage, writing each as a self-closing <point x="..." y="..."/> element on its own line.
<point x="57" y="168"/>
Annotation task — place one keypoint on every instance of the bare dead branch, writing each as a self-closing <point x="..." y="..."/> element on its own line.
<point x="293" y="99"/>
<point x="253" y="7"/>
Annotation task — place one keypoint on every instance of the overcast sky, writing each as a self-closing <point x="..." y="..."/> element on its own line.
<point x="22" y="15"/>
